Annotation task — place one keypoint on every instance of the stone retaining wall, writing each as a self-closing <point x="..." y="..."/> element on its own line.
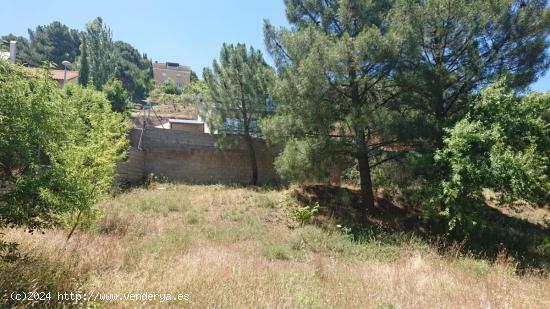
<point x="193" y="158"/>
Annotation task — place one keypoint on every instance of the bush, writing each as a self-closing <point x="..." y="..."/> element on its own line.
<point x="301" y="161"/>
<point x="304" y="214"/>
<point x="192" y="217"/>
<point x="58" y="149"/>
<point x="117" y="95"/>
<point x="198" y="87"/>
<point x="169" y="87"/>
<point x="277" y="251"/>
<point x="502" y="144"/>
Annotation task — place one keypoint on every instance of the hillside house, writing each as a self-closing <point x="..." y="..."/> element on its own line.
<point x="179" y="74"/>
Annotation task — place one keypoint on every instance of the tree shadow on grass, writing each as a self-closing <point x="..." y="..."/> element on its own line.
<point x="518" y="238"/>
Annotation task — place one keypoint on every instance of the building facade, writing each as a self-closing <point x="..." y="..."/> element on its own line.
<point x="179" y="74"/>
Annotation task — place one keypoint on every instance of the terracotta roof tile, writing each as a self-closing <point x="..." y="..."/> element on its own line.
<point x="60" y="74"/>
<point x="57" y="75"/>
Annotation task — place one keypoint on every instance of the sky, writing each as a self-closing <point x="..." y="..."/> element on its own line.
<point x="189" y="32"/>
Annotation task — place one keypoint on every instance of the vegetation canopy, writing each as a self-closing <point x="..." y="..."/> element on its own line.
<point x="338" y="91"/>
<point x="502" y="144"/>
<point x="58" y="149"/>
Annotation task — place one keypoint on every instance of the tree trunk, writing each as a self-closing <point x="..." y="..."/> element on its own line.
<point x="253" y="161"/>
<point x="366" y="186"/>
<point x="362" y="150"/>
<point x="367" y="196"/>
<point x="439" y="113"/>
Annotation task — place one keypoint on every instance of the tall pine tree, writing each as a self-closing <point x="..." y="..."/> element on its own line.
<point x="238" y="89"/>
<point x="337" y="93"/>
<point x="466" y="45"/>
<point x="55" y="43"/>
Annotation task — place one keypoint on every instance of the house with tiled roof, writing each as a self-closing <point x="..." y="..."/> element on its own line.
<point x="59" y="75"/>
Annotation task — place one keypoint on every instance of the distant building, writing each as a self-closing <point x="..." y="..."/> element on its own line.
<point x="58" y="75"/>
<point x="179" y="74"/>
<point x="187" y="125"/>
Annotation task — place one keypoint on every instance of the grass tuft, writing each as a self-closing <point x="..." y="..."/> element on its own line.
<point x="277" y="251"/>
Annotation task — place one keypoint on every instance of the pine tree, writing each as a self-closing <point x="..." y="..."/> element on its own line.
<point x="238" y="90"/>
<point x="55" y="43"/>
<point x="194" y="76"/>
<point x="337" y="92"/>
<point x="465" y="45"/>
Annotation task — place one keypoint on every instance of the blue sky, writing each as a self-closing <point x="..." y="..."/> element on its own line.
<point x="190" y="32"/>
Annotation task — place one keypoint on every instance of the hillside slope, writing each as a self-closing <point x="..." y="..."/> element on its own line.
<point x="236" y="247"/>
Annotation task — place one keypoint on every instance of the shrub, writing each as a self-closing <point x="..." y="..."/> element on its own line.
<point x="301" y="161"/>
<point x="277" y="251"/>
<point x="169" y="87"/>
<point x="479" y="267"/>
<point x="58" y="149"/>
<point x="304" y="214"/>
<point x="502" y="144"/>
<point x="192" y="218"/>
<point x="117" y="95"/>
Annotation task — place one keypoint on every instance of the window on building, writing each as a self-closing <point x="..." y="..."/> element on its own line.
<point x="235" y="126"/>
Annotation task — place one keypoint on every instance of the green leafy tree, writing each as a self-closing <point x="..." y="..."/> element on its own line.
<point x="194" y="77"/>
<point x="54" y="43"/>
<point x="98" y="58"/>
<point x="58" y="149"/>
<point x="337" y="94"/>
<point x="117" y="95"/>
<point x="167" y="93"/>
<point x="238" y="95"/>
<point x="169" y="87"/>
<point x="100" y="52"/>
<point x="197" y="87"/>
<point x="31" y="129"/>
<point x="97" y="141"/>
<point x="503" y="144"/>
<point x="132" y="69"/>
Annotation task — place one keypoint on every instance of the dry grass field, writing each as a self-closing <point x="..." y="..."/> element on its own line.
<point x="236" y="247"/>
